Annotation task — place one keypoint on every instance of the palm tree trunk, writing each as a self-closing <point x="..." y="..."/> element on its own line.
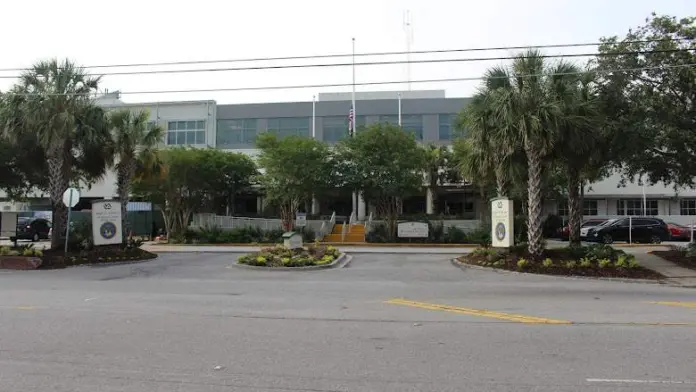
<point x="123" y="181"/>
<point x="574" y="209"/>
<point x="57" y="184"/>
<point x="500" y="181"/>
<point x="534" y="217"/>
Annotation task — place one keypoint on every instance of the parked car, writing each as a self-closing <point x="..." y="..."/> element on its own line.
<point x="33" y="229"/>
<point x="564" y="233"/>
<point x="679" y="232"/>
<point x="642" y="229"/>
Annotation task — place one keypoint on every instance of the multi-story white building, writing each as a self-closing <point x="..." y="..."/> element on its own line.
<point x="428" y="114"/>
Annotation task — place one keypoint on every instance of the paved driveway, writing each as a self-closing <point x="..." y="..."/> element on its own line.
<point x="400" y="322"/>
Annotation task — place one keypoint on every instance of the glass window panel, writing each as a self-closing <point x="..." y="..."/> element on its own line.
<point x="335" y="128"/>
<point x="171" y="138"/>
<point x="200" y="124"/>
<point x="171" y="125"/>
<point x="687" y="207"/>
<point x="200" y="137"/>
<point x="181" y="125"/>
<point x="190" y="137"/>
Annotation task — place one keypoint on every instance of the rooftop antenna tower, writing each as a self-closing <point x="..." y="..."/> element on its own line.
<point x="408" y="29"/>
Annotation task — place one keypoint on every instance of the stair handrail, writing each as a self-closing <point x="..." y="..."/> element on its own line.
<point x="344" y="229"/>
<point x="327" y="226"/>
<point x="369" y="223"/>
<point x="351" y="221"/>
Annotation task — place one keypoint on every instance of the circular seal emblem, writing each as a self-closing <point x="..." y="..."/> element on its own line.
<point x="500" y="231"/>
<point x="107" y="230"/>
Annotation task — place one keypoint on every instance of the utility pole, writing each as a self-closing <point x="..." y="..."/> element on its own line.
<point x="408" y="29"/>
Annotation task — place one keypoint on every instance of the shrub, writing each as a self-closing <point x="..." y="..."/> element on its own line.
<point x="570" y="264"/>
<point x="455" y="235"/>
<point x="481" y="236"/>
<point x="585" y="262"/>
<point x="28" y="252"/>
<point x="602" y="251"/>
<point x="621" y="261"/>
<point x="484" y="252"/>
<point x="547" y="263"/>
<point x="604" y="263"/>
<point x="378" y="234"/>
<point x="691" y="249"/>
<point x="279" y="256"/>
<point x="522" y="263"/>
<point x="436" y="232"/>
<point x="4" y="251"/>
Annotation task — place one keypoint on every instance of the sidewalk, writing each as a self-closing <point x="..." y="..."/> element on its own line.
<point x="348" y="249"/>
<point x="675" y="274"/>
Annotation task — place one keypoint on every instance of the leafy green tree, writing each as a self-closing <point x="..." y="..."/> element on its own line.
<point x="135" y="144"/>
<point x="226" y="174"/>
<point x="53" y="103"/>
<point x="177" y="187"/>
<point x="386" y="165"/>
<point x="441" y="169"/>
<point x="294" y="169"/>
<point x="651" y="101"/>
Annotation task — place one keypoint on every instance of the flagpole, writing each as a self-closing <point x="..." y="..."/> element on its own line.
<point x="355" y="120"/>
<point x="399" y="95"/>
<point x="355" y="117"/>
<point x="314" y="116"/>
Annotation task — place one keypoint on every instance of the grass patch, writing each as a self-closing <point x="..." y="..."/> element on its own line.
<point x="279" y="256"/>
<point x="594" y="261"/>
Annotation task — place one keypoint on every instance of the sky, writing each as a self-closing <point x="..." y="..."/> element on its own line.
<point x="149" y="31"/>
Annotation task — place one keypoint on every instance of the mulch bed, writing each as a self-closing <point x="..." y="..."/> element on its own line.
<point x="677" y="257"/>
<point x="56" y="258"/>
<point x="559" y="258"/>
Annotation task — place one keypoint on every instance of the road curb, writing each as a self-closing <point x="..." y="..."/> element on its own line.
<point x="463" y="266"/>
<point x="341" y="261"/>
<point x="355" y="244"/>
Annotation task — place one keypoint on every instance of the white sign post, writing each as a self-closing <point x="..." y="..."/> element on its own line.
<point x="106" y="222"/>
<point x="301" y="219"/>
<point x="71" y="197"/>
<point x="412" y="230"/>
<point x="502" y="220"/>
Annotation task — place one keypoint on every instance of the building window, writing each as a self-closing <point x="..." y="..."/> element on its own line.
<point x="589" y="207"/>
<point x="289" y="126"/>
<point x="335" y="128"/>
<point x="231" y="132"/>
<point x="412" y="123"/>
<point x="447" y="128"/>
<point x="186" y="132"/>
<point x="634" y="207"/>
<point x="687" y="207"/>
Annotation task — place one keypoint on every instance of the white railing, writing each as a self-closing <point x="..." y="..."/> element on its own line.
<point x="352" y="221"/>
<point x="233" y="222"/>
<point x="368" y="224"/>
<point x="346" y="227"/>
<point x="327" y="226"/>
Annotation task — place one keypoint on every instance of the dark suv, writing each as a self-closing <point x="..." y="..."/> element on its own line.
<point x="32" y="229"/>
<point x="642" y="229"/>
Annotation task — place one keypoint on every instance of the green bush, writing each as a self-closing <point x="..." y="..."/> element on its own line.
<point x="279" y="256"/>
<point x="378" y="234"/>
<point x="455" y="235"/>
<point x="522" y="263"/>
<point x="480" y="236"/>
<point x="436" y="232"/>
<point x="239" y="235"/>
<point x="691" y="249"/>
<point x="547" y="263"/>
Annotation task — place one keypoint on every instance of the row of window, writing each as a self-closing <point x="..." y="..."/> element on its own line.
<point x="244" y="131"/>
<point x="632" y="207"/>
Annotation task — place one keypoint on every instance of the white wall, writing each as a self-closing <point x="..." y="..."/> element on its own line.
<point x="610" y="187"/>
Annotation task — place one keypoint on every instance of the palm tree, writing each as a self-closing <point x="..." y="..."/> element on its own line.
<point x="70" y="128"/>
<point x="578" y="134"/>
<point x="438" y="160"/>
<point x="135" y="148"/>
<point x="526" y="116"/>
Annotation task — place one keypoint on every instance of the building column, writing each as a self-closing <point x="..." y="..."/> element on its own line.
<point x="315" y="206"/>
<point x="361" y="207"/>
<point x="429" y="206"/>
<point x="259" y="204"/>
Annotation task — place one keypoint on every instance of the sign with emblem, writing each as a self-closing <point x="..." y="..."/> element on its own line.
<point x="412" y="230"/>
<point x="301" y="219"/>
<point x="106" y="222"/>
<point x="502" y="222"/>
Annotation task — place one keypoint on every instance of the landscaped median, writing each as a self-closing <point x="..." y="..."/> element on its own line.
<point x="314" y="256"/>
<point x="28" y="257"/>
<point x="590" y="261"/>
<point x="683" y="256"/>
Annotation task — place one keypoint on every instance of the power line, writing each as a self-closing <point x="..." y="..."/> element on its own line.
<point x="372" y="63"/>
<point x="365" y="54"/>
<point x="294" y="87"/>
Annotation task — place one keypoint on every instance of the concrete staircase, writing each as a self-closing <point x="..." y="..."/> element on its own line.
<point x="356" y="234"/>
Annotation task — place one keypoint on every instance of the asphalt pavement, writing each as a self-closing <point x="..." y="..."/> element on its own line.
<point x="387" y="322"/>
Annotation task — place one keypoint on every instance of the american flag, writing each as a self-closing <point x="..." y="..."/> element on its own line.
<point x="350" y="121"/>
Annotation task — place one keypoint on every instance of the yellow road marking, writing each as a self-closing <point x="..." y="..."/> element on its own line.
<point x="479" y="312"/>
<point x="25" y="308"/>
<point x="676" y="303"/>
